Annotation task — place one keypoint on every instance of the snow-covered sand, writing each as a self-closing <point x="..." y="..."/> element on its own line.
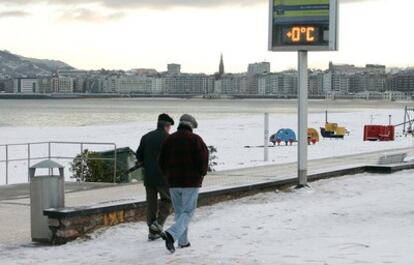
<point x="229" y="134"/>
<point x="362" y="219"/>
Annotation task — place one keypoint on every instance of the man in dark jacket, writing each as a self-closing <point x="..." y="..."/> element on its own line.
<point x="147" y="155"/>
<point x="184" y="161"/>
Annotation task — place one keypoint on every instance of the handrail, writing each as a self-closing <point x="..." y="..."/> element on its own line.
<point x="53" y="157"/>
<point x="49" y="144"/>
<point x="407" y="122"/>
<point x="57" y="142"/>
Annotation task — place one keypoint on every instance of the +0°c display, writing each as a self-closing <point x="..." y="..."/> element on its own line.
<point x="300" y="35"/>
<point x="297" y="34"/>
<point x="303" y="25"/>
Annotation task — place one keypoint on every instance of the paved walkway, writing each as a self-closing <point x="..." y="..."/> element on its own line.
<point x="15" y="204"/>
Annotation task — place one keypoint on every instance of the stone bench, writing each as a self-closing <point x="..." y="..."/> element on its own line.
<point x="67" y="224"/>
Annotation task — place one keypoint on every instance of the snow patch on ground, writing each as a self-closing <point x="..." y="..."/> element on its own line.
<point x="229" y="135"/>
<point x="361" y="219"/>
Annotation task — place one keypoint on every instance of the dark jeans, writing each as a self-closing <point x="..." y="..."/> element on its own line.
<point x="158" y="211"/>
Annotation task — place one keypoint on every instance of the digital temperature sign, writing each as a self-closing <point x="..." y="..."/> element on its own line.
<point x="308" y="25"/>
<point x="300" y="35"/>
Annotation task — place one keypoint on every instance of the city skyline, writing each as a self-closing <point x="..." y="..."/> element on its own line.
<point x="106" y="34"/>
<point x="349" y="80"/>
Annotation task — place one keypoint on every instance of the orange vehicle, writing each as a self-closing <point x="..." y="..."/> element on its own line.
<point x="313" y="136"/>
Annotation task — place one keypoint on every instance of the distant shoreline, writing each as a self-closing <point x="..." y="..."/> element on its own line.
<point x="109" y="95"/>
<point x="17" y="96"/>
<point x="80" y="96"/>
<point x="239" y="104"/>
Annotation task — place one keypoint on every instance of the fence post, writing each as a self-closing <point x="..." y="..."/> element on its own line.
<point x="266" y="137"/>
<point x="49" y="154"/>
<point x="115" y="154"/>
<point x="7" y="164"/>
<point x="28" y="162"/>
<point x="405" y="120"/>
<point x="81" y="174"/>
<point x="49" y="151"/>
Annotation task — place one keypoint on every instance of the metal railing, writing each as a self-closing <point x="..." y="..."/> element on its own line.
<point x="29" y="158"/>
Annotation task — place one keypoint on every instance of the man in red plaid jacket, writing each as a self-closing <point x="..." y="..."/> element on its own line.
<point x="184" y="162"/>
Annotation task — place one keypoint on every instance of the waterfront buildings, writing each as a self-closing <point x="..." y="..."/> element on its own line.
<point x="258" y="80"/>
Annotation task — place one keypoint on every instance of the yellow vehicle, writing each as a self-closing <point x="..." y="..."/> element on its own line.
<point x="332" y="130"/>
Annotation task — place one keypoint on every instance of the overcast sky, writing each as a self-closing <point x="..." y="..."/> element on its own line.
<point x="125" y="34"/>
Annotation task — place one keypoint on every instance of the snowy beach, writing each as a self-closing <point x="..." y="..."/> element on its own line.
<point x="222" y="126"/>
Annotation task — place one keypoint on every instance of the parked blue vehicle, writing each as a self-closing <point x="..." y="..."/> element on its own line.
<point x="288" y="136"/>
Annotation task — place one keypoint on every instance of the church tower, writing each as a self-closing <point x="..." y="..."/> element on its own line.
<point x="221" y="67"/>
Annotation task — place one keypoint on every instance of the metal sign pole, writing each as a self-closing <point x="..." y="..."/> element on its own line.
<point x="303" y="119"/>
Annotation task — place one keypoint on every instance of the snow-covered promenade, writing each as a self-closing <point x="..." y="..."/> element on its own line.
<point x="361" y="219"/>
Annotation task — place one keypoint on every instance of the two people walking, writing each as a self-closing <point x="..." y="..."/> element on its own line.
<point x="174" y="167"/>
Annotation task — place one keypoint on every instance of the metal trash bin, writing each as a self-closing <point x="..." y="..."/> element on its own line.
<point x="45" y="192"/>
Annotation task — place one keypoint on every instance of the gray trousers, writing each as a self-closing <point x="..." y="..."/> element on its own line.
<point x="158" y="211"/>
